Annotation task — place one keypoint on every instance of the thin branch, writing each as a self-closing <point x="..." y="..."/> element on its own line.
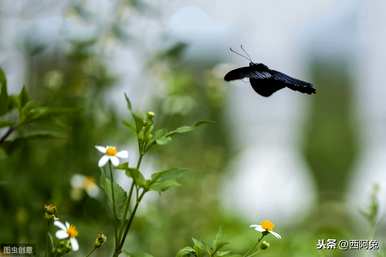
<point x="7" y="134"/>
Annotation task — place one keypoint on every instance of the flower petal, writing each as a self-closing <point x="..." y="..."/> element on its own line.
<point x="258" y="228"/>
<point x="77" y="180"/>
<point x="114" y="160"/>
<point x="275" y="234"/>
<point x="74" y="244"/>
<point x="67" y="225"/>
<point x="93" y="191"/>
<point x="101" y="149"/>
<point x="61" y="234"/>
<point x="123" y="154"/>
<point x="60" y="225"/>
<point x="102" y="162"/>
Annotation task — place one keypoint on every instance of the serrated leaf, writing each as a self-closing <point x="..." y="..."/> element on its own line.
<point x="163" y="180"/>
<point x="119" y="195"/>
<point x="186" y="252"/>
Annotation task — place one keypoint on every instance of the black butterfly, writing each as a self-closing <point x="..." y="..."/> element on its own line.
<point x="266" y="81"/>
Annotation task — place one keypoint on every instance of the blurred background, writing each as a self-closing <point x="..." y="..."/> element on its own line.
<point x="306" y="162"/>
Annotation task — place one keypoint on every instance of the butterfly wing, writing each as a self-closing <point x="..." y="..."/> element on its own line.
<point x="265" y="87"/>
<point x="292" y="83"/>
<point x="246" y="72"/>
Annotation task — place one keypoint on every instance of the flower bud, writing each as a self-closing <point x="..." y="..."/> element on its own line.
<point x="150" y="115"/>
<point x="100" y="240"/>
<point x="50" y="211"/>
<point x="264" y="245"/>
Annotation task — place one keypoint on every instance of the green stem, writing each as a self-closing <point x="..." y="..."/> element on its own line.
<point x="139" y="161"/>
<point x="127" y="206"/>
<point x="90" y="252"/>
<point x="130" y="221"/>
<point x="114" y="207"/>
<point x="7" y="134"/>
<point x="254" y="246"/>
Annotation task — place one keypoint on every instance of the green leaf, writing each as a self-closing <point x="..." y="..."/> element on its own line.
<point x="186" y="129"/>
<point x="119" y="195"/>
<point x="23" y="97"/>
<point x="137" y="176"/>
<point x="218" y="242"/>
<point x="163" y="180"/>
<point x="222" y="253"/>
<point x="31" y="112"/>
<point x="160" y="137"/>
<point x="186" y="252"/>
<point x="129" y="105"/>
<point x="163" y="140"/>
<point x="123" y="166"/>
<point x="6" y="123"/>
<point x="139" y="122"/>
<point x="3" y="93"/>
<point x="199" y="246"/>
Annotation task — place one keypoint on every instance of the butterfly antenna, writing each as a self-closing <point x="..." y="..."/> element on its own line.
<point x="245" y="51"/>
<point x="235" y="52"/>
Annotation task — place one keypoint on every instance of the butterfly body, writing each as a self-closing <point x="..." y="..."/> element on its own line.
<point x="265" y="81"/>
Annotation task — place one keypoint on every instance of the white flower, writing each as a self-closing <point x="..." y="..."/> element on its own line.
<point x="80" y="182"/>
<point x="110" y="154"/>
<point x="266" y="226"/>
<point x="67" y="231"/>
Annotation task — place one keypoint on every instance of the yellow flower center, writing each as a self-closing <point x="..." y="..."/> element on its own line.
<point x="111" y="151"/>
<point x="72" y="232"/>
<point x="88" y="182"/>
<point x="267" y="225"/>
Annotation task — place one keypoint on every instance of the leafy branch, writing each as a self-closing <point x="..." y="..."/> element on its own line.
<point x="125" y="204"/>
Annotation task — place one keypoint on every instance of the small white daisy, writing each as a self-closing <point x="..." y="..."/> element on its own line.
<point x="67" y="231"/>
<point x="80" y="182"/>
<point x="266" y="226"/>
<point x="111" y="154"/>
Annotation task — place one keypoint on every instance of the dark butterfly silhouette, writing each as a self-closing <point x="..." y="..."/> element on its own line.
<point x="266" y="81"/>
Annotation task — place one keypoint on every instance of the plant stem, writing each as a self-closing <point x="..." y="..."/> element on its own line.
<point x="139" y="161"/>
<point x="114" y="207"/>
<point x="254" y="246"/>
<point x="125" y="228"/>
<point x="7" y="134"/>
<point x="127" y="207"/>
<point x="128" y="225"/>
<point x="90" y="252"/>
